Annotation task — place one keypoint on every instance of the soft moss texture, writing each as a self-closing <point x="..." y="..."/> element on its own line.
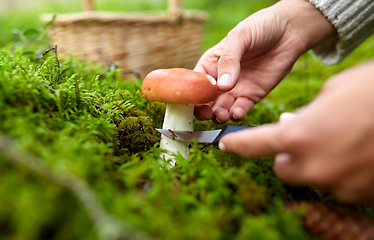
<point x="79" y="157"/>
<point x="66" y="124"/>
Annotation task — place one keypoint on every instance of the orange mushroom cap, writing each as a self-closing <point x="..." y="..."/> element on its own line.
<point x="179" y="85"/>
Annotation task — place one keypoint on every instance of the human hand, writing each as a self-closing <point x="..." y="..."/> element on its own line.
<point x="257" y="54"/>
<point x="329" y="142"/>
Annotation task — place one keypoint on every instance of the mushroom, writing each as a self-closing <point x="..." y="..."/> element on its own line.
<point x="180" y="89"/>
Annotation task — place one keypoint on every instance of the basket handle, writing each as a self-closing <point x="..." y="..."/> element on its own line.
<point x="88" y="5"/>
<point x="174" y="7"/>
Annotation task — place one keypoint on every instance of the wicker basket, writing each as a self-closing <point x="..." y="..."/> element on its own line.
<point x="135" y="42"/>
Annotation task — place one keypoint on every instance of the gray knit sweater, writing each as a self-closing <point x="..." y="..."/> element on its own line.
<point x="354" y="22"/>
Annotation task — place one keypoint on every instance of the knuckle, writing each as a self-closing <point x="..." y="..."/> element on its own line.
<point x="226" y="59"/>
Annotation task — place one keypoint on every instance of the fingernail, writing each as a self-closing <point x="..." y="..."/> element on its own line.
<point x="221" y="146"/>
<point x="236" y="110"/>
<point x="218" y="120"/>
<point x="286" y="116"/>
<point x="224" y="79"/>
<point x="282" y="158"/>
<point x="199" y="117"/>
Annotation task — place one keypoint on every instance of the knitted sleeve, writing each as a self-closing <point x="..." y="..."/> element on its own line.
<point x="354" y="22"/>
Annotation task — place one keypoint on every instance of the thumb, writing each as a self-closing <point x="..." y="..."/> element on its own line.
<point x="264" y="140"/>
<point x="229" y="61"/>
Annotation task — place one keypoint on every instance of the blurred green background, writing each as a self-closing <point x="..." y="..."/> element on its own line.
<point x="308" y="74"/>
<point x="224" y="15"/>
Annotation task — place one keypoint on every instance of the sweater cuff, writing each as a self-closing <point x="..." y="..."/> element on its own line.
<point x="354" y="22"/>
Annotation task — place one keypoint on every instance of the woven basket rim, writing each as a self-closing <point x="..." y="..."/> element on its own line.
<point x="102" y="16"/>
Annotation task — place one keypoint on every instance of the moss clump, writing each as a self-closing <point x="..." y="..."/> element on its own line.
<point x="79" y="159"/>
<point x="66" y="118"/>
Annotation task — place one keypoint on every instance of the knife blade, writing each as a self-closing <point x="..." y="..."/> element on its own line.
<point x="212" y="136"/>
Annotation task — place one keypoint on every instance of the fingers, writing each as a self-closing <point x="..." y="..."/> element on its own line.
<point x="286" y="169"/>
<point x="294" y="166"/>
<point x="200" y="68"/>
<point x="208" y="63"/>
<point x="285" y="165"/>
<point x="240" y="108"/>
<point x="221" y="115"/>
<point x="203" y="112"/>
<point x="354" y="187"/>
<point x="264" y="140"/>
<point x="218" y="115"/>
<point x="269" y="140"/>
<point x="228" y="107"/>
<point x="259" y="141"/>
<point x="300" y="171"/>
<point x="232" y="109"/>
<point x="221" y="108"/>
<point x="229" y="62"/>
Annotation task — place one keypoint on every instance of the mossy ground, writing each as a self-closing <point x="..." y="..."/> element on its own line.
<point x="79" y="158"/>
<point x="84" y="122"/>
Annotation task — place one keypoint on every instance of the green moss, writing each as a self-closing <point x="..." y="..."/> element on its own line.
<point x="85" y="122"/>
<point x="79" y="159"/>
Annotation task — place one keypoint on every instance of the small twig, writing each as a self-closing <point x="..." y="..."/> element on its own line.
<point x="153" y="130"/>
<point x="69" y="67"/>
<point x="48" y="50"/>
<point x="93" y="104"/>
<point x="58" y="65"/>
<point x="58" y="61"/>
<point x="49" y="87"/>
<point x="123" y="110"/>
<point x="121" y="96"/>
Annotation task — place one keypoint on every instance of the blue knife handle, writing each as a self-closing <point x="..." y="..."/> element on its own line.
<point x="228" y="129"/>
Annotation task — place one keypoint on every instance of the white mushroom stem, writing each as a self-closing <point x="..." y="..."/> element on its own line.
<point x="177" y="117"/>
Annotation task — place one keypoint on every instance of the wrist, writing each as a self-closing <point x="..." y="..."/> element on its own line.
<point x="308" y="23"/>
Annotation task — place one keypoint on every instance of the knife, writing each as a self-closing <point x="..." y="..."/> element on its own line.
<point x="212" y="136"/>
